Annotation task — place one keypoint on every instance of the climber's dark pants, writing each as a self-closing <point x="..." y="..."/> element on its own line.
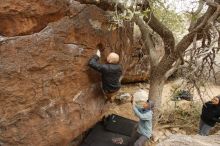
<point x="110" y="96"/>
<point x="137" y="139"/>
<point x="204" y="129"/>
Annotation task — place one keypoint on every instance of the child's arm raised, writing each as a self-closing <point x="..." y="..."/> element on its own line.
<point x="143" y="116"/>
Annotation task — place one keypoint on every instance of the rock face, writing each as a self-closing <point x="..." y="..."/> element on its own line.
<point x="191" y="140"/>
<point x="138" y="68"/>
<point x="20" y="17"/>
<point x="48" y="94"/>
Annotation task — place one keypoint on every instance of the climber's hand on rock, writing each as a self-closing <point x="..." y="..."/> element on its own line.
<point x="98" y="53"/>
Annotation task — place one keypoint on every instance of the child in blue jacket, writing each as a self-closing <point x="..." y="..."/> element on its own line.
<point x="144" y="128"/>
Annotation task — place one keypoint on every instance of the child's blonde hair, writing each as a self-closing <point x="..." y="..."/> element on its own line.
<point x="113" y="58"/>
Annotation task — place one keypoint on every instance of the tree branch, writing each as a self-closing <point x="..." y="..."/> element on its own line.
<point x="148" y="43"/>
<point x="167" y="60"/>
<point x="196" y="13"/>
<point x="171" y="52"/>
<point x="163" y="31"/>
<point x="211" y="3"/>
<point x="173" y="69"/>
<point x="200" y="7"/>
<point x="215" y="15"/>
<point x="188" y="39"/>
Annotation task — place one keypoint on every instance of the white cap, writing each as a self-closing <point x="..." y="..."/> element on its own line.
<point x="140" y="95"/>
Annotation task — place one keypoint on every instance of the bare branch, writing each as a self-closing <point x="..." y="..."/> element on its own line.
<point x="154" y="57"/>
<point x="194" y="41"/>
<point x="200" y="7"/>
<point x="199" y="92"/>
<point x="167" y="60"/>
<point x="215" y="15"/>
<point x="211" y="3"/>
<point x="163" y="31"/>
<point x="188" y="39"/>
<point x="196" y="13"/>
<point x="173" y="69"/>
<point x="218" y="37"/>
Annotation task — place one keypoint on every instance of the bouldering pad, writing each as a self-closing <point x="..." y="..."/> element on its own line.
<point x="111" y="129"/>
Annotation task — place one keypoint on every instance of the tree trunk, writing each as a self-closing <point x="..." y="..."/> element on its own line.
<point x="155" y="94"/>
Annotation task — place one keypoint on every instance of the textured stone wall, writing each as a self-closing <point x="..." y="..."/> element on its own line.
<point x="48" y="94"/>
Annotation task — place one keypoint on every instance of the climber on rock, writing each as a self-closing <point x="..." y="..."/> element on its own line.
<point x="111" y="73"/>
<point x="210" y="115"/>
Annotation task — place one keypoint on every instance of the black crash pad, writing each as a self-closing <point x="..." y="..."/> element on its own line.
<point x="103" y="133"/>
<point x="120" y="125"/>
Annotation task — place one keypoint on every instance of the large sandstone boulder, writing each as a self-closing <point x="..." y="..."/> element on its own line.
<point x="19" y="17"/>
<point x="139" y="67"/>
<point x="48" y="94"/>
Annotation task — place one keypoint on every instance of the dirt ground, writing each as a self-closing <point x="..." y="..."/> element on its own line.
<point x="184" y="115"/>
<point x="181" y="117"/>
